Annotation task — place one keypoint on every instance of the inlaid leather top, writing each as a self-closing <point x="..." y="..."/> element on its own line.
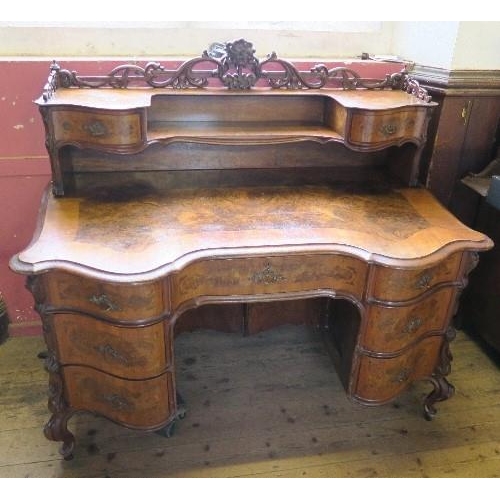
<point x="133" y="230"/>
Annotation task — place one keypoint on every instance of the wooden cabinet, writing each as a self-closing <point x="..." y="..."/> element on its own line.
<point x="167" y="198"/>
<point x="463" y="135"/>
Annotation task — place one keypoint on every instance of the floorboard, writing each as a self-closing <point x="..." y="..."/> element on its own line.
<point x="269" y="405"/>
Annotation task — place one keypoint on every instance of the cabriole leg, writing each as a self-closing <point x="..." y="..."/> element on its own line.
<point x="442" y="391"/>
<point x="56" y="429"/>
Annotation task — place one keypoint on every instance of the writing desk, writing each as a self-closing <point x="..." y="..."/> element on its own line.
<point x="166" y="200"/>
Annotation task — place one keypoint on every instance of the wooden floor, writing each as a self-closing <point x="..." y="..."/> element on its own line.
<point x="263" y="406"/>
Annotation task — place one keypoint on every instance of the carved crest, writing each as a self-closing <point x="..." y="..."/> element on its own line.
<point x="235" y="66"/>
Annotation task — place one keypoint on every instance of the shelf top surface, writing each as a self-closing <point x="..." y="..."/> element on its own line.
<point x="133" y="98"/>
<point x="133" y="231"/>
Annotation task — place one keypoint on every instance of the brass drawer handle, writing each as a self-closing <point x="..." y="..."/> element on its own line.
<point x="413" y="325"/>
<point x="424" y="280"/>
<point x="388" y="129"/>
<point x="118" y="402"/>
<point x="402" y="376"/>
<point x="107" y="350"/>
<point x="267" y="277"/>
<point x="104" y="302"/>
<point x="95" y="128"/>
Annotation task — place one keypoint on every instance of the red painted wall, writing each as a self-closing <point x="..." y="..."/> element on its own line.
<point x="25" y="169"/>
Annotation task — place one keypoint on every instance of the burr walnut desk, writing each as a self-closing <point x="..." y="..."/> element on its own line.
<point x="168" y="194"/>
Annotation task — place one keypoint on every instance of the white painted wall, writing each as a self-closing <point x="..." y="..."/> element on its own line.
<point x="477" y="46"/>
<point x="440" y="44"/>
<point x="449" y="44"/>
<point x="430" y="43"/>
<point x="289" y="39"/>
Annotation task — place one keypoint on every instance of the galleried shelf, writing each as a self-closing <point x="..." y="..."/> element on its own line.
<point x="134" y="108"/>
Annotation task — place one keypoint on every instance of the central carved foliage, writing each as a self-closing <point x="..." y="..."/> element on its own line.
<point x="240" y="56"/>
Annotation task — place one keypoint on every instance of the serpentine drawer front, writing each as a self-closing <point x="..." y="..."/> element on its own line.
<point x="392" y="328"/>
<point x="135" y="403"/>
<point x="405" y="284"/>
<point x="112" y="301"/>
<point x="379" y="129"/>
<point x="379" y="379"/>
<point x="127" y="352"/>
<point x="97" y="128"/>
<point x="265" y="275"/>
<point x="169" y="193"/>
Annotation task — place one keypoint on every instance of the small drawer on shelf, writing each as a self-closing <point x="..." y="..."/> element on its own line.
<point x="134" y="403"/>
<point x="390" y="329"/>
<point x="125" y="352"/>
<point x="383" y="128"/>
<point x="264" y="275"/>
<point x="404" y="284"/>
<point x="113" y="301"/>
<point x="121" y="129"/>
<point x="381" y="379"/>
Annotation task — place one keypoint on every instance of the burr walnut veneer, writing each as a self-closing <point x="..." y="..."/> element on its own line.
<point x="164" y="200"/>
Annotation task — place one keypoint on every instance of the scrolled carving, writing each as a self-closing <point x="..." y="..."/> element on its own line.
<point x="235" y="66"/>
<point x="52" y="81"/>
<point x="51" y="364"/>
<point x="442" y="389"/>
<point x="404" y="82"/>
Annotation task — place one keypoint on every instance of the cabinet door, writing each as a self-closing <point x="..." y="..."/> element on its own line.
<point x="479" y="148"/>
<point x="449" y="138"/>
<point x="464" y="142"/>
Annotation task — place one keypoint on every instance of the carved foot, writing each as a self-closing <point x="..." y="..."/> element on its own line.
<point x="56" y="429"/>
<point x="442" y="391"/>
<point x="181" y="407"/>
<point x="168" y="430"/>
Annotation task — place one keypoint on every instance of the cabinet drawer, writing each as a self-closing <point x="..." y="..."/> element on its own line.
<point x="262" y="275"/>
<point x="389" y="329"/>
<point x="118" y="301"/>
<point x="382" y="128"/>
<point x="125" y="352"/>
<point x="135" y="403"/>
<point x="404" y="284"/>
<point x="380" y="380"/>
<point x="119" y="129"/>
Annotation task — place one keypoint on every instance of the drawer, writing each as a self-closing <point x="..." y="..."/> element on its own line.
<point x="135" y="403"/>
<point x="125" y="352"/>
<point x="115" y="301"/>
<point x="404" y="284"/>
<point x="389" y="329"/>
<point x="382" y="128"/>
<point x="263" y="275"/>
<point x="118" y="129"/>
<point x="380" y="380"/>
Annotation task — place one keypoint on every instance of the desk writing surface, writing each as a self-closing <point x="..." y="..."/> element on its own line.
<point x="143" y="232"/>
